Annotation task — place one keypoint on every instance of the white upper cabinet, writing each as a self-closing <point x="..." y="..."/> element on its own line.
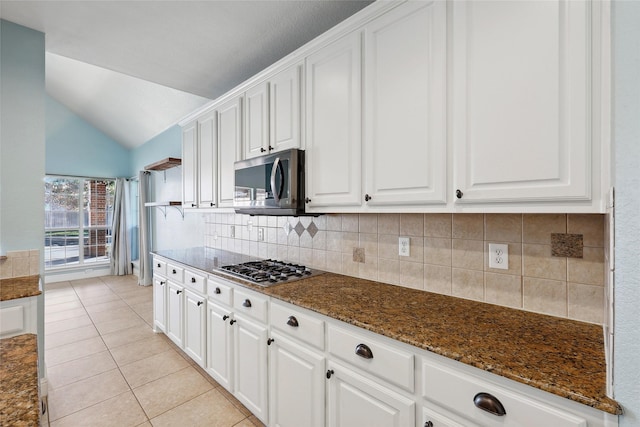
<point x="189" y="165"/>
<point x="333" y="127"/>
<point x="272" y="114"/>
<point x="229" y="138"/>
<point x="405" y="143"/>
<point x="256" y="119"/>
<point x="284" y="108"/>
<point x="521" y="88"/>
<point x="207" y="160"/>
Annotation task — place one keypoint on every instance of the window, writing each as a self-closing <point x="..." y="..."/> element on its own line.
<point x="78" y="217"/>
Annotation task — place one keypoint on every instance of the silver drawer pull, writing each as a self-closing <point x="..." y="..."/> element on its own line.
<point x="292" y="321"/>
<point x="246" y="303"/>
<point x="364" y="351"/>
<point x="489" y="403"/>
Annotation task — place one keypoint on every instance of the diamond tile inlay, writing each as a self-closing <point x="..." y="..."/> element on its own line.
<point x="299" y="228"/>
<point x="312" y="229"/>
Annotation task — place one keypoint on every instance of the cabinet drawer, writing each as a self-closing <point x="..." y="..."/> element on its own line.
<point x="219" y="291"/>
<point x="159" y="267"/>
<point x="296" y="324"/>
<point x="457" y="391"/>
<point x="382" y="360"/>
<point x="175" y="273"/>
<point x="250" y="303"/>
<point x="195" y="281"/>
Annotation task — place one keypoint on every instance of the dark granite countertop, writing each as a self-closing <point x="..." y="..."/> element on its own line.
<point x="19" y="287"/>
<point x="19" y="398"/>
<point x="561" y="356"/>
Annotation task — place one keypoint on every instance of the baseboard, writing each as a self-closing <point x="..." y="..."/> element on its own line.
<point x="87" y="273"/>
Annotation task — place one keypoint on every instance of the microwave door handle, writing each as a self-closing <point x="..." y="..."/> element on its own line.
<point x="274" y="170"/>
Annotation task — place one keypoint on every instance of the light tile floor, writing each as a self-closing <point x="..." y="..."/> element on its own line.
<point x="106" y="367"/>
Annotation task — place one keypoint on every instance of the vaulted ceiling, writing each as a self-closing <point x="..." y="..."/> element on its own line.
<point x="134" y="68"/>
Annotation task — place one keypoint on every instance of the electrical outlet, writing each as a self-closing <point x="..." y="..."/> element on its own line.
<point x="261" y="234"/>
<point x="232" y="231"/>
<point x="249" y="226"/>
<point x="404" y="246"/>
<point x="498" y="256"/>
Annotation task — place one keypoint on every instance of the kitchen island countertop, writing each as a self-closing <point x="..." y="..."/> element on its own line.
<point x="561" y="356"/>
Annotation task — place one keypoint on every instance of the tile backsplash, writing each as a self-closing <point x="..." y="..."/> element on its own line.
<point x="20" y="264"/>
<point x="449" y="254"/>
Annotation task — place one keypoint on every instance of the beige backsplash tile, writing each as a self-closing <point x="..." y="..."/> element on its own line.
<point x="389" y="224"/>
<point x="468" y="226"/>
<point x="350" y="223"/>
<point x="590" y="226"/>
<point x="412" y="275"/>
<point x="585" y="302"/>
<point x="451" y="258"/>
<point x="467" y="284"/>
<point x="437" y="278"/>
<point x="589" y="269"/>
<point x="389" y="270"/>
<point x="503" y="289"/>
<point x="537" y="228"/>
<point x="411" y="224"/>
<point x="437" y="251"/>
<point x="545" y="296"/>
<point x="503" y="228"/>
<point x="388" y="246"/>
<point x="437" y="225"/>
<point x="538" y="262"/>
<point x="467" y="254"/>
<point x="368" y="223"/>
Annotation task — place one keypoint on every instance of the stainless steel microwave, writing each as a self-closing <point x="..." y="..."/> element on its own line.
<point x="272" y="184"/>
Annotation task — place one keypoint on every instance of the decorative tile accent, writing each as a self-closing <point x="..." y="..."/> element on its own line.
<point x="299" y="228"/>
<point x="566" y="245"/>
<point x="358" y="255"/>
<point x="312" y="229"/>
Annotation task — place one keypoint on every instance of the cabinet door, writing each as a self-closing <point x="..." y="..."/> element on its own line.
<point x="333" y="79"/>
<point x="296" y="384"/>
<point x="159" y="303"/>
<point x="256" y="121"/>
<point x="284" y="109"/>
<point x="358" y="401"/>
<point x="219" y="344"/>
<point x="189" y="165"/>
<point x="521" y="100"/>
<point x="174" y="313"/>
<point x="208" y="160"/>
<point x="229" y="138"/>
<point x="404" y="114"/>
<point x="250" y="370"/>
<point x="195" y="326"/>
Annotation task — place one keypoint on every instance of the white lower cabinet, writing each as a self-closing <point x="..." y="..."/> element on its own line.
<point x="356" y="400"/>
<point x="250" y="365"/>
<point x="195" y="326"/>
<point x="431" y="418"/>
<point x="220" y="344"/>
<point x="174" y="312"/>
<point x="296" y="384"/>
<point x="159" y="303"/>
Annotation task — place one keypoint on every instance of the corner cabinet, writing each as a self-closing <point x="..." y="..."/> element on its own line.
<point x="521" y="86"/>
<point x="333" y="135"/>
<point x="190" y="166"/>
<point x="208" y="160"/>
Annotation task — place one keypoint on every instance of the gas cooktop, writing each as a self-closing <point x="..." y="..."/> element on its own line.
<point x="269" y="272"/>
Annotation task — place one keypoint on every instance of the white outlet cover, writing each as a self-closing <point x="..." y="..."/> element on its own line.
<point x="499" y="256"/>
<point x="404" y="246"/>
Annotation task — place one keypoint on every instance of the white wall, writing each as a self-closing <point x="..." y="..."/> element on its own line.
<point x="626" y="127"/>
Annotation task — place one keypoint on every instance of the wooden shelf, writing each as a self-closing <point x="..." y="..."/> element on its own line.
<point x="162" y="206"/>
<point x="3" y="257"/>
<point x="168" y="163"/>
